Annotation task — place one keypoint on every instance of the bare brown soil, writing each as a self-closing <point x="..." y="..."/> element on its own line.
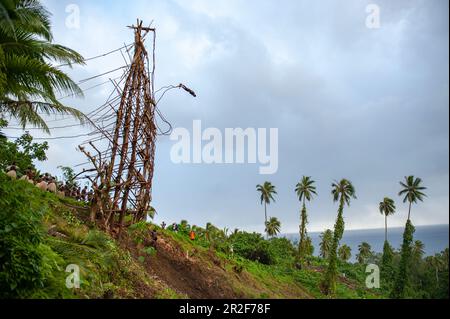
<point x="189" y="275"/>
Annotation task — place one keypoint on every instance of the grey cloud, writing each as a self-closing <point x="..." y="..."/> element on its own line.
<point x="369" y="105"/>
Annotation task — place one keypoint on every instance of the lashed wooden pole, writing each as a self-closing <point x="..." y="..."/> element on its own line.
<point x="124" y="184"/>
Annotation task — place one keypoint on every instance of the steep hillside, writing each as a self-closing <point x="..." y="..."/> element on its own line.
<point x="41" y="234"/>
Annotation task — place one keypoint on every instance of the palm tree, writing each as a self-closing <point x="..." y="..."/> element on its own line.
<point x="436" y="263"/>
<point x="412" y="190"/>
<point x="273" y="227"/>
<point x="365" y="252"/>
<point x="29" y="82"/>
<point x="418" y="250"/>
<point x="403" y="272"/>
<point x="345" y="252"/>
<point x="305" y="191"/>
<point x="325" y="244"/>
<point x="267" y="191"/>
<point x="342" y="192"/>
<point x="387" y="208"/>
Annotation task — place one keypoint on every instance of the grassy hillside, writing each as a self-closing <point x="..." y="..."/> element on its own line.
<point x="41" y="234"/>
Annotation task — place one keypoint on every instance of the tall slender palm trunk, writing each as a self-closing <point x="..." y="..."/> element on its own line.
<point x="409" y="211"/>
<point x="265" y="224"/>
<point x="301" y="244"/>
<point x="265" y="212"/>
<point x="385" y="229"/>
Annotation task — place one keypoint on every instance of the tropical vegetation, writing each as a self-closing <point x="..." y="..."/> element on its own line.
<point x="30" y="82"/>
<point x="305" y="191"/>
<point x="42" y="233"/>
<point x="267" y="192"/>
<point x="273" y="227"/>
<point x="342" y="192"/>
<point x="412" y="193"/>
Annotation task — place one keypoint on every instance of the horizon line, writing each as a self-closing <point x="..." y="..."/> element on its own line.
<point x="377" y="228"/>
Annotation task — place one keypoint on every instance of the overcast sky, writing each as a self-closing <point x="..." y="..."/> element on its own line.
<point x="370" y="105"/>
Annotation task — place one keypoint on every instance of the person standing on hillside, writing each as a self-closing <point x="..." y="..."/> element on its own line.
<point x="154" y="237"/>
<point x="192" y="235"/>
<point x="12" y="171"/>
<point x="52" y="188"/>
<point x="29" y="175"/>
<point x="78" y="194"/>
<point x="84" y="193"/>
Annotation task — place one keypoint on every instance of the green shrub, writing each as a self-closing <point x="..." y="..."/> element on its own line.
<point x="283" y="250"/>
<point x="55" y="276"/>
<point x="71" y="219"/>
<point x="97" y="239"/>
<point x="252" y="246"/>
<point x="262" y="253"/>
<point x="184" y="227"/>
<point x="139" y="232"/>
<point x="22" y="151"/>
<point x="21" y="263"/>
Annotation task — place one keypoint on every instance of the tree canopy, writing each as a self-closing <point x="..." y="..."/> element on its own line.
<point x="29" y="82"/>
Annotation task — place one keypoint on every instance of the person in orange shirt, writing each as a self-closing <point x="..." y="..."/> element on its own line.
<point x="192" y="235"/>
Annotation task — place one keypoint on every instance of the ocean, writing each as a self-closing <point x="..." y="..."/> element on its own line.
<point x="435" y="239"/>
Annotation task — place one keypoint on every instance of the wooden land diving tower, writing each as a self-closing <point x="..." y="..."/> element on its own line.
<point x="134" y="137"/>
<point x="123" y="185"/>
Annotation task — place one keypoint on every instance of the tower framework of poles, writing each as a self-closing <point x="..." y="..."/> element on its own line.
<point x="123" y="184"/>
<point x="123" y="170"/>
<point x="133" y="144"/>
